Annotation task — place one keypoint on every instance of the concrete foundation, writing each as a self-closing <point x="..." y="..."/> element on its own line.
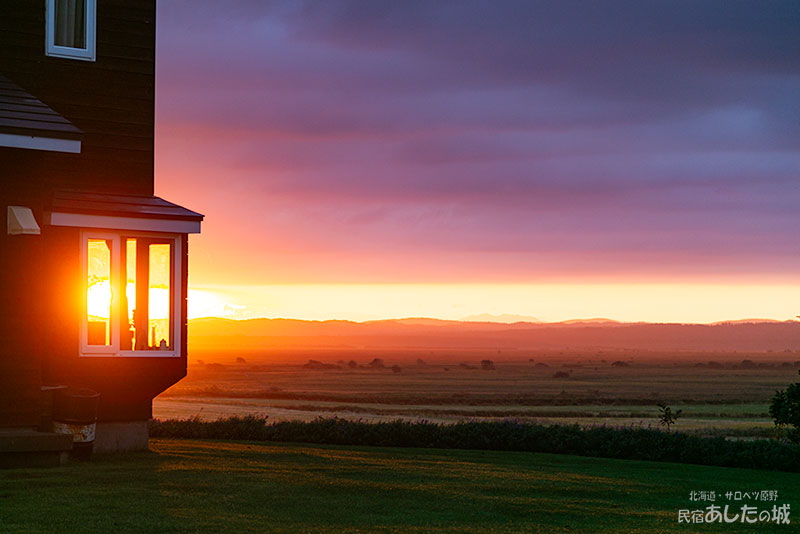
<point x="121" y="437"/>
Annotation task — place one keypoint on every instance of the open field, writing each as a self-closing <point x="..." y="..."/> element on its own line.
<point x="754" y="416"/>
<point x="195" y="486"/>
<point x="726" y="396"/>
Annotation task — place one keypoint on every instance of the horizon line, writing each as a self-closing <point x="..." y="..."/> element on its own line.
<point x="594" y="320"/>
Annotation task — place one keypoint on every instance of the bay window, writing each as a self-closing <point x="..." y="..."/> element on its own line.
<point x="132" y="283"/>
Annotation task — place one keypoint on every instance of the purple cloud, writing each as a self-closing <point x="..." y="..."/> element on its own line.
<point x="655" y="137"/>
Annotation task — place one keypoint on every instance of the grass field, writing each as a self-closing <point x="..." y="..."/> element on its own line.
<point x="725" y="398"/>
<point x="194" y="486"/>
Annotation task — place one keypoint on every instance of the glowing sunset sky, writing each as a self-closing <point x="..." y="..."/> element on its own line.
<point x="381" y="159"/>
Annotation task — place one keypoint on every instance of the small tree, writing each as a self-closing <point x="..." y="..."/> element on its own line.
<point x="785" y="410"/>
<point x="667" y="417"/>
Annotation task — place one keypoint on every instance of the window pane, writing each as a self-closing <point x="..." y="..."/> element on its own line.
<point x="98" y="292"/>
<point x="70" y="23"/>
<point x="129" y="324"/>
<point x="159" y="313"/>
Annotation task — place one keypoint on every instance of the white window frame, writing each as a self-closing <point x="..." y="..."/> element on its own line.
<point x="83" y="54"/>
<point x="113" y="350"/>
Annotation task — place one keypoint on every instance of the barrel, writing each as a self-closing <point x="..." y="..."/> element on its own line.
<point x="75" y="412"/>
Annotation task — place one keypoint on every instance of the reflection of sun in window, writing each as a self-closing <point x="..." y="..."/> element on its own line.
<point x="98" y="292"/>
<point x="130" y="283"/>
<point x="158" y="292"/>
<point x="98" y="298"/>
<point x="130" y="300"/>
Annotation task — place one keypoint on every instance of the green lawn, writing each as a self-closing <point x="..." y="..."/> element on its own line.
<point x="200" y="486"/>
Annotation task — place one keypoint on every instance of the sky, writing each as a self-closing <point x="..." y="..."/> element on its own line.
<point x="365" y="160"/>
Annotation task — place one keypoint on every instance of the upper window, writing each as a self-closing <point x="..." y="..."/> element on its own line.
<point x="132" y="288"/>
<point x="70" y="28"/>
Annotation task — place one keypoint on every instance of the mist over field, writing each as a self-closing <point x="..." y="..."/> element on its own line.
<point x="214" y="334"/>
<point x="590" y="372"/>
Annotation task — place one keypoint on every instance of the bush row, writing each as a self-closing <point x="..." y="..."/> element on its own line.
<point x="634" y="443"/>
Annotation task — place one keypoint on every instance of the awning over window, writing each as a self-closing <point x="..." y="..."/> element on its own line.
<point x="26" y="122"/>
<point x="122" y="212"/>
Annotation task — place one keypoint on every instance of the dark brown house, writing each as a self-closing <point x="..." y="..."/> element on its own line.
<point x="94" y="267"/>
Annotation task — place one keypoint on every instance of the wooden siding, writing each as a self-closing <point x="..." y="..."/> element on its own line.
<point x="126" y="385"/>
<point x="21" y="324"/>
<point x="111" y="99"/>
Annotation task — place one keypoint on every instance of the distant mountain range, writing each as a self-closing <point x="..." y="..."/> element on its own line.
<point x="502" y="318"/>
<point x="424" y="333"/>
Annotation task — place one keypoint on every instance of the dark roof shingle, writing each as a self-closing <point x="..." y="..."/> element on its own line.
<point x="21" y="113"/>
<point x="149" y="207"/>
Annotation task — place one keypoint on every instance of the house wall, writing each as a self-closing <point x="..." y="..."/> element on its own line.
<point x="111" y="99"/>
<point x="20" y="334"/>
<point x="126" y="385"/>
<point x="40" y="331"/>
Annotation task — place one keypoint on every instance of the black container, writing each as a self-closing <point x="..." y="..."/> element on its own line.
<point x="75" y="412"/>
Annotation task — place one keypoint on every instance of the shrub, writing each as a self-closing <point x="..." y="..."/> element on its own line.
<point x="785" y="410"/>
<point x="667" y="417"/>
<point x="319" y="366"/>
<point x="633" y="442"/>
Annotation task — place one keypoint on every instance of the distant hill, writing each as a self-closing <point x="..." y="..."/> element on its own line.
<point x="755" y="335"/>
<point x="502" y="318"/>
<point x="744" y="321"/>
<point x="594" y="320"/>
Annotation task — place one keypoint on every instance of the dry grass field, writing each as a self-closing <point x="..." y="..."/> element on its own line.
<point x="613" y="388"/>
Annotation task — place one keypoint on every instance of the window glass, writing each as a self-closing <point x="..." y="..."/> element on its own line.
<point x="129" y="324"/>
<point x="130" y="293"/>
<point x="148" y="310"/>
<point x="159" y="297"/>
<point x="70" y="23"/>
<point x="98" y="292"/>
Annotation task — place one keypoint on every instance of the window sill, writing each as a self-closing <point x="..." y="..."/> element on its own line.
<point x="71" y="53"/>
<point x="133" y="354"/>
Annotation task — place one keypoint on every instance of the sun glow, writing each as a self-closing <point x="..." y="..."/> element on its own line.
<point x="212" y="303"/>
<point x="98" y="299"/>
<point x="138" y="274"/>
<point x="681" y="303"/>
<point x="98" y="292"/>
